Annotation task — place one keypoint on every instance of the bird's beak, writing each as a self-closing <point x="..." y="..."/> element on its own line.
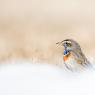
<point x="59" y="43"/>
<point x="62" y="44"/>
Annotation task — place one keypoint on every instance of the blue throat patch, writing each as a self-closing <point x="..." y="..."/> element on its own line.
<point x="65" y="52"/>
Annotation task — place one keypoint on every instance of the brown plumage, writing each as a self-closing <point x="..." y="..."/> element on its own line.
<point x="73" y="56"/>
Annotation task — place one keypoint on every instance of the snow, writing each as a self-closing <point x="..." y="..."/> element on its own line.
<point x="20" y="77"/>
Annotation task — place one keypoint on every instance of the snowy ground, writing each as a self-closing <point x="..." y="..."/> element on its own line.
<point x="24" y="78"/>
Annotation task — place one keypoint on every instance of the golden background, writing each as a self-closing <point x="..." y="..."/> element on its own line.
<point x="30" y="28"/>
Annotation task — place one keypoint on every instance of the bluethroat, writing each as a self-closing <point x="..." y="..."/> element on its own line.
<point x="73" y="57"/>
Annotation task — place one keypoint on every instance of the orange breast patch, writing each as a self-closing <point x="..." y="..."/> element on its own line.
<point x="65" y="57"/>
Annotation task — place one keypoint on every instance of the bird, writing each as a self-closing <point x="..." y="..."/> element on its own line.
<point x="74" y="58"/>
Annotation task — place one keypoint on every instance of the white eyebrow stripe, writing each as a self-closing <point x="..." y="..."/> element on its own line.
<point x="67" y="42"/>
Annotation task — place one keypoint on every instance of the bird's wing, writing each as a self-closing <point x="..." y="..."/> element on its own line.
<point x="79" y="56"/>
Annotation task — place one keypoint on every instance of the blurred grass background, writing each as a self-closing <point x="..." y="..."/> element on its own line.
<point x="30" y="28"/>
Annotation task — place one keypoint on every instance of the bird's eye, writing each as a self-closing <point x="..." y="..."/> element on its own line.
<point x="68" y="44"/>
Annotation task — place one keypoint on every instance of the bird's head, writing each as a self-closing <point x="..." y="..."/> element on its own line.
<point x="69" y="45"/>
